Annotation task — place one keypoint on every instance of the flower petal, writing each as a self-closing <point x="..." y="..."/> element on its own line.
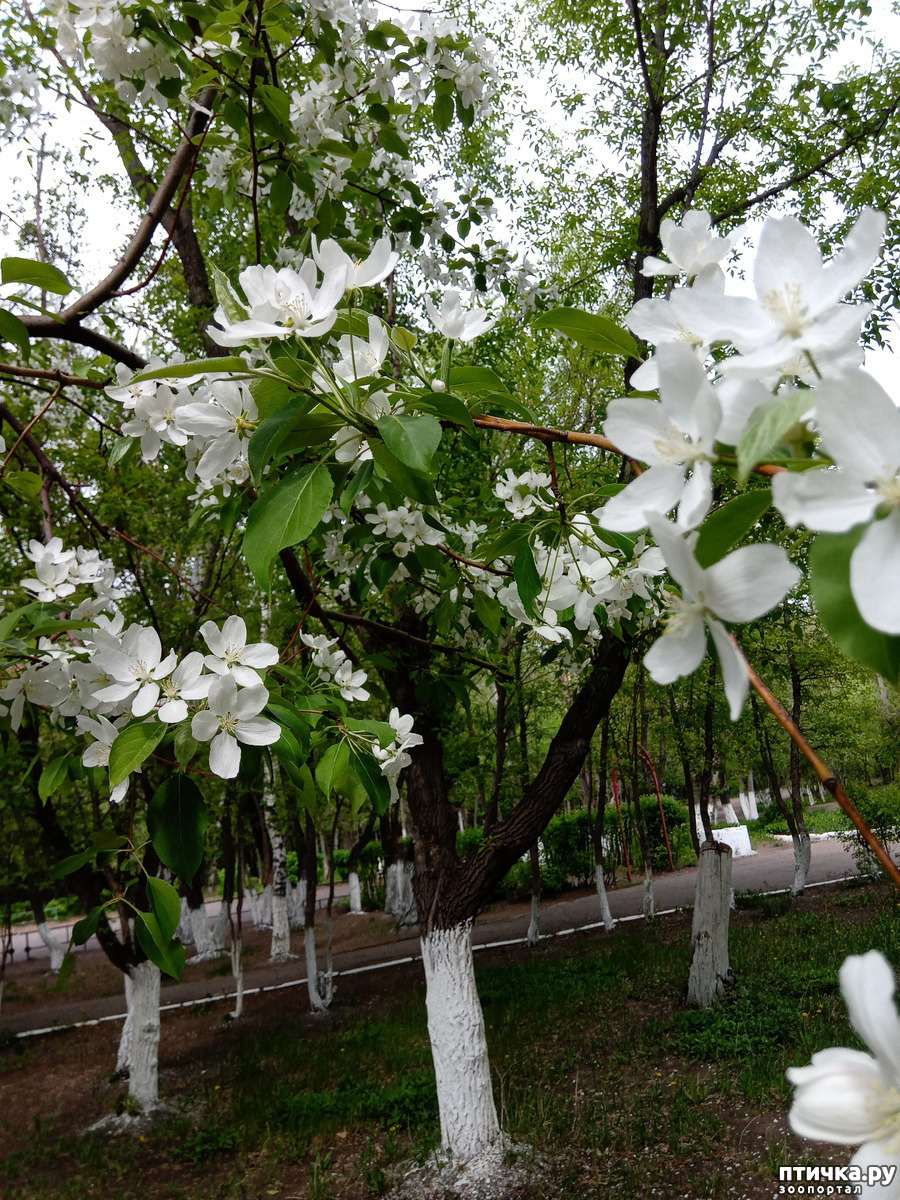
<point x="735" y="676"/>
<point x="859" y="425"/>
<point x="836" y="1097"/>
<point x="867" y="981"/>
<point x="749" y="582"/>
<point x="258" y="732"/>
<point x="677" y="654"/>
<point x="658" y="490"/>
<point x="829" y="501"/>
<point x="875" y="574"/>
<point x="224" y="756"/>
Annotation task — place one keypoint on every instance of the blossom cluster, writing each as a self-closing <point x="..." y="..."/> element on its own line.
<point x="723" y="363"/>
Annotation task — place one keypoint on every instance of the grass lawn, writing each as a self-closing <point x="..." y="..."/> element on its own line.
<point x="622" y="1090"/>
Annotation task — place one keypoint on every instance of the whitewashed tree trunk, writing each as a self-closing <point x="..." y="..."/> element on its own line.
<point x="123" y="1058"/>
<point x="143" y="1073"/>
<point x="649" y="898"/>
<point x="298" y="904"/>
<point x="355" y="894"/>
<point x="201" y="935"/>
<point x="606" y="916"/>
<point x="184" y="932"/>
<point x="320" y="984"/>
<point x="709" y="936"/>
<point x="237" y="970"/>
<point x="220" y="928"/>
<point x="802" y="859"/>
<point x="251" y="905"/>
<point x="281" y="926"/>
<point x="534" y="924"/>
<point x="400" y="903"/>
<point x="56" y="947"/>
<point x="265" y="908"/>
<point x="469" y="1124"/>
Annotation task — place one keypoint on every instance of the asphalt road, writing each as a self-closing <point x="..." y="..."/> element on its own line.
<point x="769" y="870"/>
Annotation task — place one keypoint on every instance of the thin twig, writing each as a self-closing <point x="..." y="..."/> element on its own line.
<point x="827" y="777"/>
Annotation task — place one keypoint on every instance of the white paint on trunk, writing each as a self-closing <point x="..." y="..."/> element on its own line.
<point x="709" y="937"/>
<point x="56" y="947"/>
<point x="251" y="906"/>
<point x="123" y="1058"/>
<point x="469" y="1124"/>
<point x="143" y="1085"/>
<point x="399" y="902"/>
<point x="265" y="908"/>
<point x="606" y="916"/>
<point x="202" y="937"/>
<point x="237" y="970"/>
<point x="298" y="904"/>
<point x="802" y="858"/>
<point x="534" y="925"/>
<point x="649" y="898"/>
<point x="319" y="984"/>
<point x="281" y="926"/>
<point x="220" y="928"/>
<point x="355" y="894"/>
<point x="184" y="933"/>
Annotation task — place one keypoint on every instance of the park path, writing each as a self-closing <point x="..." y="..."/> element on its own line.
<point x="769" y="870"/>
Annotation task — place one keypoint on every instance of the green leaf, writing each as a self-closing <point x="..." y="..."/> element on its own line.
<point x="53" y="776"/>
<point x="166" y="905"/>
<point x="412" y="440"/>
<point x="120" y="447"/>
<point x="227" y="297"/>
<point x="476" y="379"/>
<point x="590" y="330"/>
<point x="332" y="765"/>
<point x="411" y="484"/>
<point x="74" y="862"/>
<point x="84" y="930"/>
<point x="65" y="970"/>
<point x="504" y="543"/>
<point x="176" y="820"/>
<point x="185" y="744"/>
<point x="443" y="112"/>
<point x="271" y="432"/>
<point x="133" y="746"/>
<point x="357" y="484"/>
<point x="105" y="839"/>
<point x="727" y="525"/>
<point x="389" y="139"/>
<point x="829" y="577"/>
<point x="167" y="955"/>
<point x="14" y="330"/>
<point x="382" y="731"/>
<point x="196" y="366"/>
<point x="276" y="101"/>
<point x="285" y="515"/>
<point x="26" y="484"/>
<point x="36" y="274"/>
<point x="445" y="406"/>
<point x="368" y="772"/>
<point x="528" y="581"/>
<point x="766" y="427"/>
<point x="489" y="612"/>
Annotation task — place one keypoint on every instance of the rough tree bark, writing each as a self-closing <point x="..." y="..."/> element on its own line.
<point x="710" y="971"/>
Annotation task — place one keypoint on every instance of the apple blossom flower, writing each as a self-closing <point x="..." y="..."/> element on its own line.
<point x="187" y="682"/>
<point x="331" y="259"/>
<point x="797" y="307"/>
<point x="675" y="436"/>
<point x="135" y="669"/>
<point x="859" y="427"/>
<point x="690" y="245"/>
<point x="283" y="303"/>
<point x="456" y="324"/>
<point x="848" y="1096"/>
<point x="233" y="717"/>
<point x="232" y="656"/>
<point x="360" y="358"/>
<point x="740" y="587"/>
<point x="97" y="754"/>
<point x="226" y="421"/>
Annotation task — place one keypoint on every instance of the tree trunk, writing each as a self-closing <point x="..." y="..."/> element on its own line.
<point x="356" y="907"/>
<point x="597" y="830"/>
<point x="469" y="1124"/>
<point x="709" y="937"/>
<point x="54" y="945"/>
<point x="399" y="898"/>
<point x="143" y="1085"/>
<point x="534" y="925"/>
<point x="281" y="928"/>
<point x="199" y="919"/>
<point x="123" y="1057"/>
<point x="799" y="832"/>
